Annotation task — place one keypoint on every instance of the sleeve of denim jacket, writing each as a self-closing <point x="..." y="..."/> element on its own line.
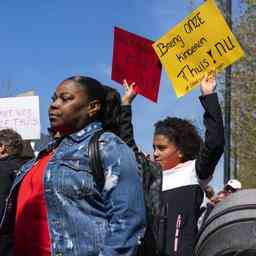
<point x="123" y="198"/>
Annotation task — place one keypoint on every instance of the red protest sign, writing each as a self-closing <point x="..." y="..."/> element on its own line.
<point x="135" y="60"/>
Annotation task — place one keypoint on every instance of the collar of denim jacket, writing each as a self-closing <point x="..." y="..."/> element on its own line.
<point x="85" y="132"/>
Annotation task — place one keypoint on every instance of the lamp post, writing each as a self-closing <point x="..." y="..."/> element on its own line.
<point x="227" y="105"/>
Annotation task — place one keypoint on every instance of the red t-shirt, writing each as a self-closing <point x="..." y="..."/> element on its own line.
<point x="31" y="223"/>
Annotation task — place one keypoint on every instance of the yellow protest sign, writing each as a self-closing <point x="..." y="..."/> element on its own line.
<point x="200" y="43"/>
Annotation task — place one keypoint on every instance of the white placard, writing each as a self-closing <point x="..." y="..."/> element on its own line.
<point x="22" y="115"/>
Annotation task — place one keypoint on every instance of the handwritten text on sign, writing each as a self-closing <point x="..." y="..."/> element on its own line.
<point x="200" y="43"/>
<point x="22" y="115"/>
<point x="135" y="60"/>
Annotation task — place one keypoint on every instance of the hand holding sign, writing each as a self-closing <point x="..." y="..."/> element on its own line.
<point x="208" y="84"/>
<point x="195" y="46"/>
<point x="130" y="93"/>
<point x="134" y="59"/>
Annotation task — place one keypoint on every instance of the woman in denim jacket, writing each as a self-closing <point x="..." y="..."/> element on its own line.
<point x="55" y="206"/>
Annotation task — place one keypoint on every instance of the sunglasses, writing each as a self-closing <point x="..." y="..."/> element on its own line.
<point x="230" y="189"/>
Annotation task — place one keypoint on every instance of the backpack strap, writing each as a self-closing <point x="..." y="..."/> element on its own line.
<point x="95" y="162"/>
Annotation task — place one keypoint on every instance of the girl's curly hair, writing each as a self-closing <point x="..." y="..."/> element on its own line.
<point x="182" y="133"/>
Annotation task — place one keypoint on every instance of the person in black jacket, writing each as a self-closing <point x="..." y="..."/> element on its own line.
<point x="187" y="164"/>
<point x="11" y="146"/>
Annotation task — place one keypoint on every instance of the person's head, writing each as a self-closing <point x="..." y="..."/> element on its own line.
<point x="221" y="195"/>
<point x="11" y="143"/>
<point x="209" y="192"/>
<point x="175" y="141"/>
<point x="232" y="186"/>
<point x="80" y="100"/>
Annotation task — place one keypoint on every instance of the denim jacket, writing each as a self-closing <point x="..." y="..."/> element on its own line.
<point x="82" y="220"/>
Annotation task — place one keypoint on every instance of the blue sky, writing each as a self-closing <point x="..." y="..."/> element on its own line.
<point x="43" y="42"/>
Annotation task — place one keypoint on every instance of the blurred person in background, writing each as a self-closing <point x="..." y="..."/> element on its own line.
<point x="11" y="148"/>
<point x="232" y="186"/>
<point x="11" y="159"/>
<point x="209" y="192"/>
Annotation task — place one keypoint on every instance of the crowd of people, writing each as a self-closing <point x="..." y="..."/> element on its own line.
<point x="232" y="186"/>
<point x="212" y="198"/>
<point x="57" y="204"/>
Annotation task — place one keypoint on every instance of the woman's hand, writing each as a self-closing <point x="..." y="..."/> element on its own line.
<point x="129" y="94"/>
<point x="208" y="84"/>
